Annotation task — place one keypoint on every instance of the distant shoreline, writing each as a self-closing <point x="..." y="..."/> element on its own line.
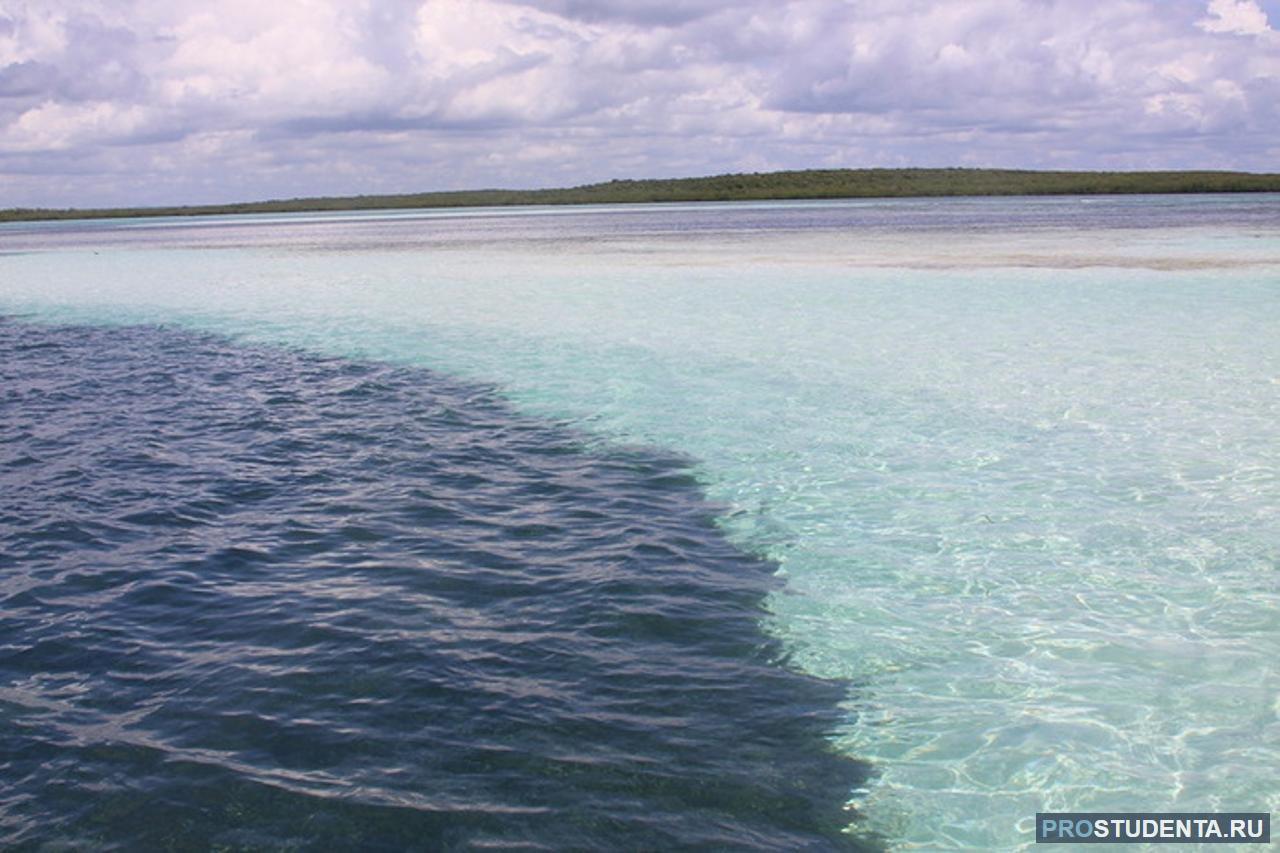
<point x="768" y="186"/>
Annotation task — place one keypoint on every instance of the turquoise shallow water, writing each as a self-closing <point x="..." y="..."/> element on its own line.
<point x="1016" y="459"/>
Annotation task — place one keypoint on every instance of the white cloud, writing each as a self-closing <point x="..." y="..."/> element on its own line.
<point x="1244" y="17"/>
<point x="159" y="100"/>
<point x="57" y="127"/>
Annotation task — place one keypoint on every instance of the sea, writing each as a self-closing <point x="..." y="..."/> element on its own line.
<point x="823" y="525"/>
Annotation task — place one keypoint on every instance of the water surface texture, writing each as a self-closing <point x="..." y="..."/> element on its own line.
<point x="1014" y="460"/>
<point x="260" y="599"/>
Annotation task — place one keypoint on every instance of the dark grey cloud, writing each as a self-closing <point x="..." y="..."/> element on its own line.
<point x="99" y="62"/>
<point x="24" y="79"/>
<point x="975" y="63"/>
<point x="387" y="33"/>
<point x="650" y="13"/>
<point x="91" y="61"/>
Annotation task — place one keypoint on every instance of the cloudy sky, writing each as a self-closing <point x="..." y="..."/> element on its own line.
<point x="161" y="101"/>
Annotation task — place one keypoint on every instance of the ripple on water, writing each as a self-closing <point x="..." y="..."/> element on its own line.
<point x="251" y="597"/>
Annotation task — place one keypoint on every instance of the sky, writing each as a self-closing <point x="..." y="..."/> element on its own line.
<point x="133" y="102"/>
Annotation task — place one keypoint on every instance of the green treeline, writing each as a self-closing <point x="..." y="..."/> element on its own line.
<point x="807" y="184"/>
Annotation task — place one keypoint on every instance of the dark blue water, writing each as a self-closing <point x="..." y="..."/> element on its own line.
<point x="252" y="598"/>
